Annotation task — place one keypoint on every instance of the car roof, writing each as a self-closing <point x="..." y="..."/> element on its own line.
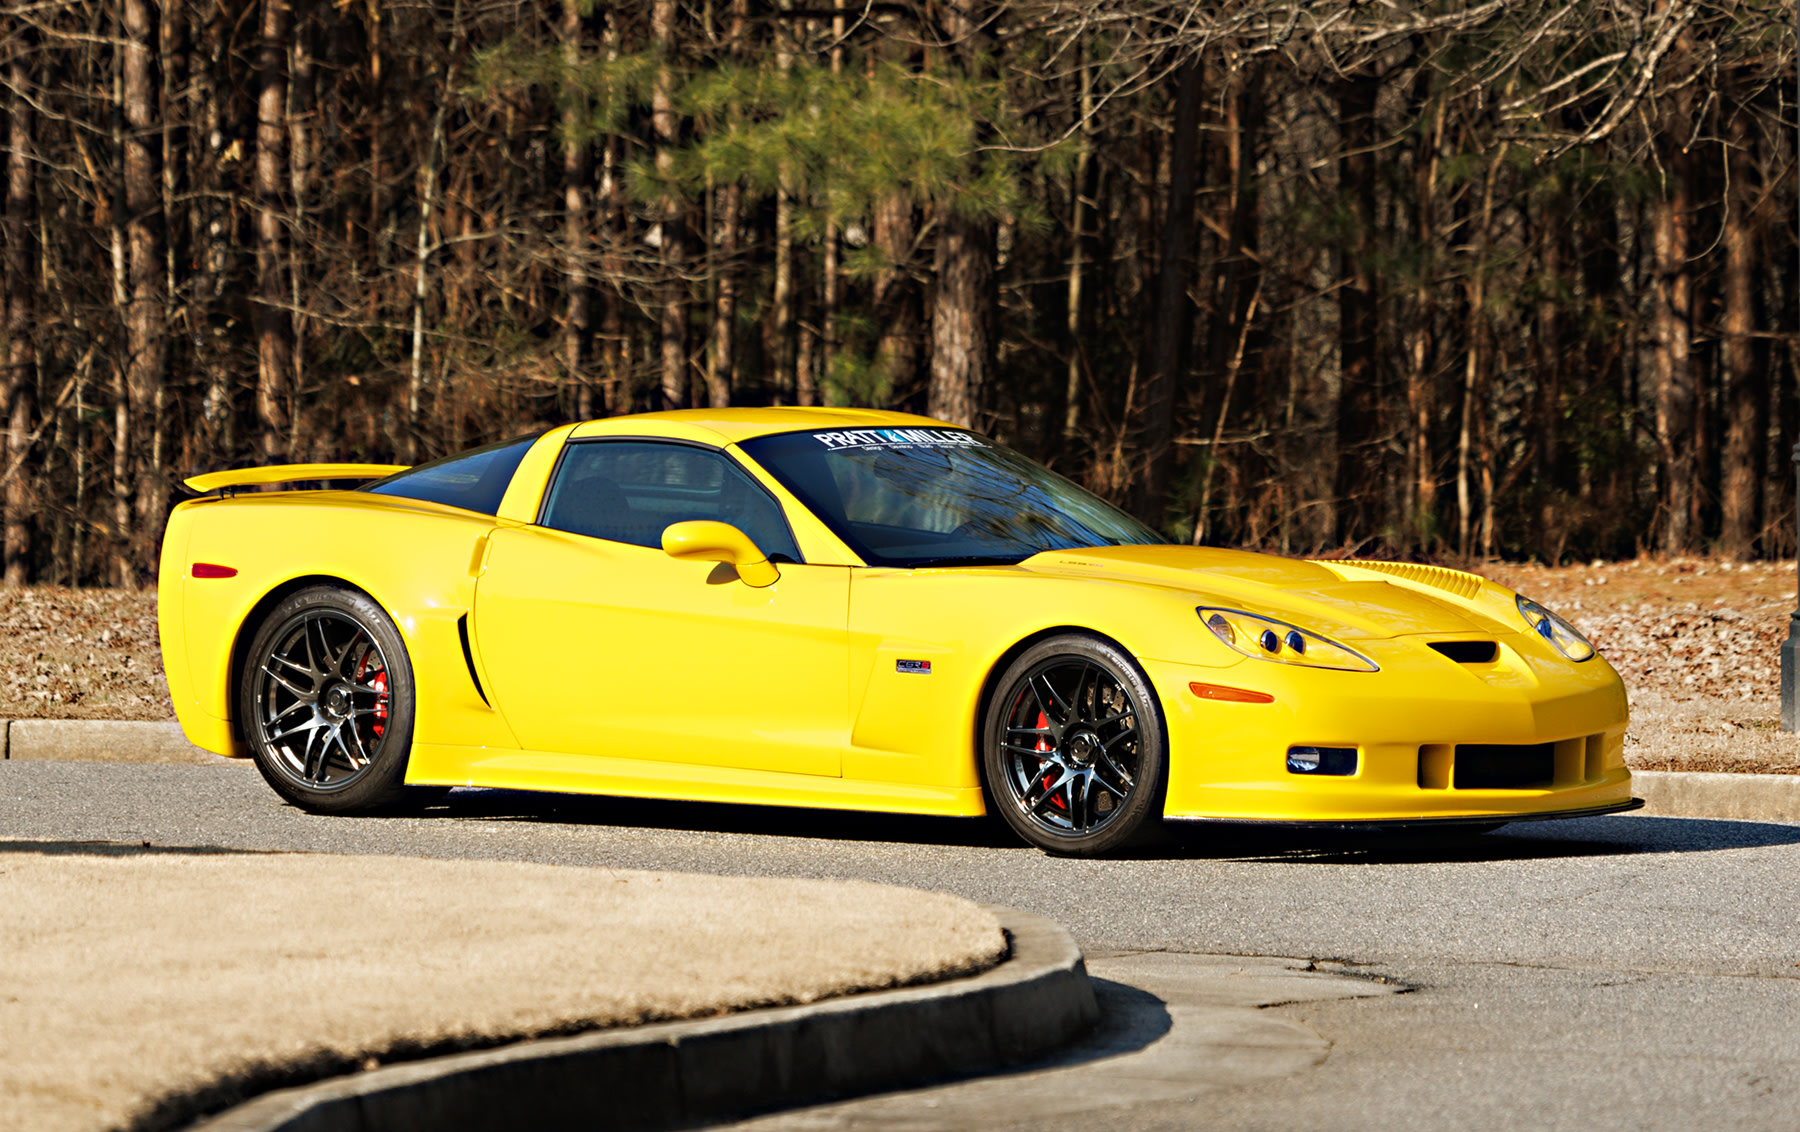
<point x="731" y="426"/>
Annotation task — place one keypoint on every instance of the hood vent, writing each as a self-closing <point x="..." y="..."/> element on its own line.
<point x="1458" y="582"/>
<point x="1468" y="652"/>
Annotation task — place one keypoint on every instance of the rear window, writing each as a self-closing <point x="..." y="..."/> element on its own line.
<point x="475" y="480"/>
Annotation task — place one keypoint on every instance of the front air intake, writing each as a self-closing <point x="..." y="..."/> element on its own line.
<point x="1499" y="766"/>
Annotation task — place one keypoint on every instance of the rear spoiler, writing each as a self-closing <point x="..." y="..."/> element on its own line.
<point x="287" y="473"/>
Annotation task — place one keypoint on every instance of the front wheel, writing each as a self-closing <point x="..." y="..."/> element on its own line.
<point x="1074" y="752"/>
<point x="326" y="700"/>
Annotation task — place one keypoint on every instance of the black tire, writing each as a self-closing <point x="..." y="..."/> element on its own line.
<point x="1074" y="752"/>
<point x="326" y="702"/>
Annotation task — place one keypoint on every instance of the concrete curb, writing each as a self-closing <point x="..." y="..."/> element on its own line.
<point x="100" y="740"/>
<point x="1740" y="797"/>
<point x="682" y="1073"/>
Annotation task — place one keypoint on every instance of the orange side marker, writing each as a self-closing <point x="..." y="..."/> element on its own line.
<point x="1230" y="695"/>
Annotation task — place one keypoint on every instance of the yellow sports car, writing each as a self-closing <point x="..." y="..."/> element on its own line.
<point x="851" y="609"/>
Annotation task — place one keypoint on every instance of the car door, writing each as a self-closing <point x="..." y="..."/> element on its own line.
<point x="596" y="642"/>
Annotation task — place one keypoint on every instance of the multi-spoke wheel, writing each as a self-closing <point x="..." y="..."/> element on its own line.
<point x="1074" y="755"/>
<point x="326" y="701"/>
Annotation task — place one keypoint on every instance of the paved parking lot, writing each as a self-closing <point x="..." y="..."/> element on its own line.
<point x="1613" y="972"/>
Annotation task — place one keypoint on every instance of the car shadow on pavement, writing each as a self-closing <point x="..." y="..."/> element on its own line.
<point x="120" y="849"/>
<point x="1578" y="837"/>
<point x="1522" y="841"/>
<point x="720" y="817"/>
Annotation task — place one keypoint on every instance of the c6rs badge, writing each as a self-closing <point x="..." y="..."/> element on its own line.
<point x="918" y="667"/>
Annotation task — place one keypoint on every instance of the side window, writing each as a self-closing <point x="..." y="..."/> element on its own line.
<point x="475" y="480"/>
<point x="630" y="490"/>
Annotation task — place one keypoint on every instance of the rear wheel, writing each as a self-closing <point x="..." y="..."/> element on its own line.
<point x="1074" y="753"/>
<point x="326" y="699"/>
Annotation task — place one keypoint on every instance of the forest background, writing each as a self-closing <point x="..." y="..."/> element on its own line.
<point x="1452" y="280"/>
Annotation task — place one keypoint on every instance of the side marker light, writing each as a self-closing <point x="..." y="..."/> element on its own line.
<point x="1229" y="695"/>
<point x="211" y="570"/>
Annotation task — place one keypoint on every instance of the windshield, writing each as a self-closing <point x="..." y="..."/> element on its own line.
<point x="939" y="497"/>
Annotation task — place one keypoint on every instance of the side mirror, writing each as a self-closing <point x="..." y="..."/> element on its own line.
<point x="704" y="541"/>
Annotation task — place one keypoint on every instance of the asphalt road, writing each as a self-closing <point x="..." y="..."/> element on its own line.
<point x="1622" y="972"/>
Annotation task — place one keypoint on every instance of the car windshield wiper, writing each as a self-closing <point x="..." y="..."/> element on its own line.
<point x="965" y="560"/>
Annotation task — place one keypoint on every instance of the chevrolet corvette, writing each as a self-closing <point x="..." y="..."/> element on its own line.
<point x="851" y="609"/>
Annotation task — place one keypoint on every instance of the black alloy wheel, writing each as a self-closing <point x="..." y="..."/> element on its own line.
<point x="326" y="700"/>
<point x="1075" y="755"/>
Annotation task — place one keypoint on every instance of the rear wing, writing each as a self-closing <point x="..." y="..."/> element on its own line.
<point x="287" y="473"/>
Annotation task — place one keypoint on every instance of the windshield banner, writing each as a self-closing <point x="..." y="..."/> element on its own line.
<point x="900" y="438"/>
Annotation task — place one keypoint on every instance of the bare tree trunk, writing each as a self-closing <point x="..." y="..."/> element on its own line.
<point x="961" y="332"/>
<point x="303" y="134"/>
<point x="1746" y="380"/>
<point x="1421" y="406"/>
<point x="962" y="342"/>
<point x="1676" y="389"/>
<point x="377" y="154"/>
<point x="428" y="190"/>
<point x="274" y="326"/>
<point x="1359" y="473"/>
<point x="1166" y="365"/>
<point x="832" y="284"/>
<point x="210" y="236"/>
<point x="1471" y="448"/>
<point x="723" y="359"/>
<point x="1078" y="193"/>
<point x="146" y="323"/>
<point x="896" y="300"/>
<point x="22" y="275"/>
<point x="578" y="174"/>
<point x="672" y="324"/>
<point x="1551" y="531"/>
<point x="121" y="569"/>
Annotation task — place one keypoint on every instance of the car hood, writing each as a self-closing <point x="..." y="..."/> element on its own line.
<point x="1309" y="594"/>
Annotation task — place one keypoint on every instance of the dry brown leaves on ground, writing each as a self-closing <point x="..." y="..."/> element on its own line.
<point x="80" y="654"/>
<point x="1696" y="640"/>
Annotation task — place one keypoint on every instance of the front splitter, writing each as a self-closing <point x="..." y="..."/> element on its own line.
<point x="1382" y="824"/>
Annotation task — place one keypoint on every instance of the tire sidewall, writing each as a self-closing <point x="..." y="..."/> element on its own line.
<point x="1142" y="811"/>
<point x="383" y="784"/>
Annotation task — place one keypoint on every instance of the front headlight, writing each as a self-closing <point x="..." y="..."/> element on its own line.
<point x="1564" y="637"/>
<point x="1268" y="639"/>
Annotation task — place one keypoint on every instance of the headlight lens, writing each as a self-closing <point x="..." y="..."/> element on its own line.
<point x="1563" y="637"/>
<point x="1268" y="639"/>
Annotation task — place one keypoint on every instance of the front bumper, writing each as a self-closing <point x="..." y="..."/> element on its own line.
<point x="1228" y="761"/>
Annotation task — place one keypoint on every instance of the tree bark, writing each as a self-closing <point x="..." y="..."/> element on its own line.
<point x="578" y="174"/>
<point x="22" y="275"/>
<point x="1673" y="363"/>
<point x="961" y="334"/>
<point x="672" y="322"/>
<point x="1746" y="377"/>
<point x="898" y="306"/>
<point x="274" y="325"/>
<point x="1359" y="466"/>
<point x="145" y="325"/>
<point x="1166" y="367"/>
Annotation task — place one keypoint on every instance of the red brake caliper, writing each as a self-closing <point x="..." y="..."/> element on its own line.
<point x="1043" y="744"/>
<point x="380" y="685"/>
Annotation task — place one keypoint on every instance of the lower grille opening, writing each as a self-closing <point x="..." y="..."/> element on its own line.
<point x="1468" y="652"/>
<point x="1499" y="766"/>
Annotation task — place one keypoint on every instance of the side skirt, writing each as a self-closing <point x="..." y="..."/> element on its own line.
<point x="435" y="764"/>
